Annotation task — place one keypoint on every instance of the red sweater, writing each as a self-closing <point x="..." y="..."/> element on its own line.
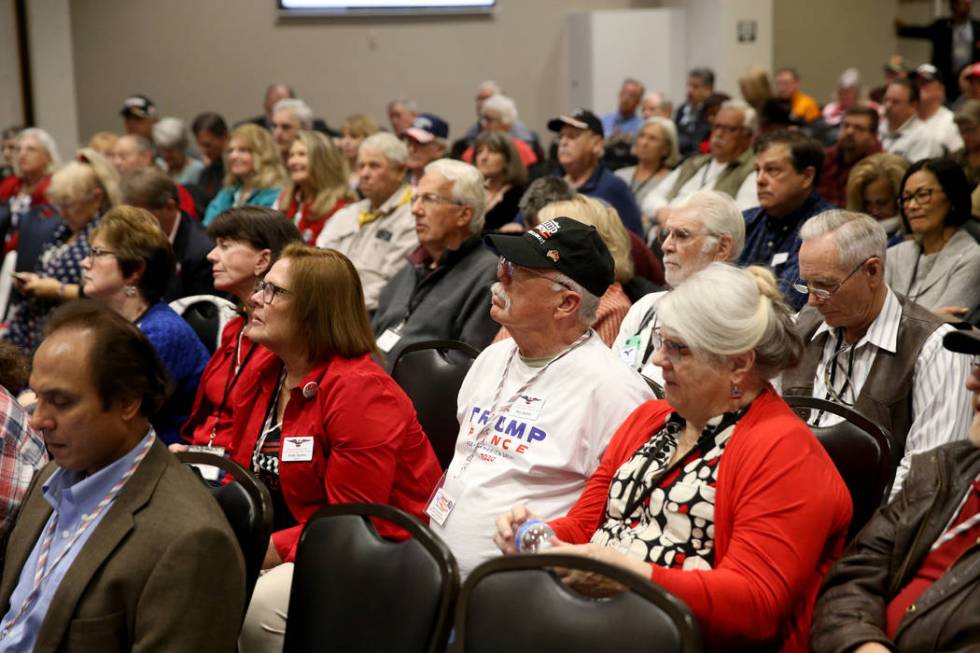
<point x="781" y="516"/>
<point x="215" y="382"/>
<point x="309" y="226"/>
<point x="368" y="445"/>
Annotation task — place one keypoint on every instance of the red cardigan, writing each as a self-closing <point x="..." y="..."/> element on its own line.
<point x="211" y="388"/>
<point x="781" y="516"/>
<point x="368" y="445"/>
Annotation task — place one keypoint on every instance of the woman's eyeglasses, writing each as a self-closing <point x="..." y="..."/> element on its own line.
<point x="268" y="291"/>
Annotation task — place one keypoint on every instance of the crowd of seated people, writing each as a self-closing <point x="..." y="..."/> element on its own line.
<point x="648" y="297"/>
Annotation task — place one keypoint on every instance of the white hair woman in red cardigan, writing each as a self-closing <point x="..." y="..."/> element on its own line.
<point x="720" y="493"/>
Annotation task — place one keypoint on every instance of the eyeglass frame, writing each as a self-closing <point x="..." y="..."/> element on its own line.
<point x="674" y="351"/>
<point x="508" y="267"/>
<point x="664" y="233"/>
<point x="924" y="200"/>
<point x="99" y="252"/>
<point x="268" y="291"/>
<point x="428" y="199"/>
<point x="823" y="294"/>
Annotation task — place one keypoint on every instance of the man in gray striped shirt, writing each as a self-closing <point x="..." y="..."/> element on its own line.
<point x="871" y="349"/>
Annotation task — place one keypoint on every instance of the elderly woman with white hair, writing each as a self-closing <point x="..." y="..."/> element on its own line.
<point x="707" y="226"/>
<point x="499" y="113"/>
<point x="170" y="138"/>
<point x="656" y="152"/>
<point x="719" y="494"/>
<point x="35" y="158"/>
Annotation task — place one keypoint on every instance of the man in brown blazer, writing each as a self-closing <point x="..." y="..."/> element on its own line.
<point x="117" y="546"/>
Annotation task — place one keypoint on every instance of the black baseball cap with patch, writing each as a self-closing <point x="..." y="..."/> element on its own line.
<point x="138" y="106"/>
<point x="582" y="118"/>
<point x="563" y="244"/>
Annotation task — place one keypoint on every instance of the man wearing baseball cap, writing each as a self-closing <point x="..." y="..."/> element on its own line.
<point x="535" y="411"/>
<point x="911" y="579"/>
<point x="426" y="141"/>
<point x="139" y="114"/>
<point x="580" y="146"/>
<point x="936" y="118"/>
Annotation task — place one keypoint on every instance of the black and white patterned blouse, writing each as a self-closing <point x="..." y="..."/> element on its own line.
<point x="666" y="516"/>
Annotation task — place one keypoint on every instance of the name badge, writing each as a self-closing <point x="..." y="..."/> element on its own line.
<point x="779" y="259"/>
<point x="527" y="407"/>
<point x="440" y="506"/>
<point x="208" y="472"/>
<point x="630" y="351"/>
<point x="297" y="449"/>
<point x="383" y="234"/>
<point x="387" y="340"/>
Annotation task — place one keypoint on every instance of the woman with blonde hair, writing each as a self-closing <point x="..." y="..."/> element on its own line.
<point x="755" y="86"/>
<point x="81" y="191"/>
<point x="317" y="186"/>
<point x="873" y="188"/>
<point x="613" y="304"/>
<point x="351" y="432"/>
<point x="255" y="174"/>
<point x="353" y="131"/>
<point x="656" y="152"/>
<point x="128" y="268"/>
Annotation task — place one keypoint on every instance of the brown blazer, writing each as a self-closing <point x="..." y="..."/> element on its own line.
<point x="161" y="572"/>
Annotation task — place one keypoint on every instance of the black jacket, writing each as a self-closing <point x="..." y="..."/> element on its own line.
<point x="193" y="274"/>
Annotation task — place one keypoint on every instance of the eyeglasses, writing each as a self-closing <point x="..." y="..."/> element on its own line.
<point x="508" y="268"/>
<point x="680" y="235"/>
<point x="429" y="199"/>
<point x="673" y="350"/>
<point x="727" y="129"/>
<point x="823" y="294"/>
<point x="97" y="252"/>
<point x="922" y="196"/>
<point x="268" y="291"/>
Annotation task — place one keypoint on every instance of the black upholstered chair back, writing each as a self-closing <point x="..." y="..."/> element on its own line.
<point x="207" y="315"/>
<point x="431" y="373"/>
<point x="247" y="506"/>
<point x="861" y="451"/>
<point x="354" y="591"/>
<point x="516" y="603"/>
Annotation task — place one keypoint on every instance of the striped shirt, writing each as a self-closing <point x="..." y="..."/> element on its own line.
<point x="22" y="453"/>
<point x="941" y="404"/>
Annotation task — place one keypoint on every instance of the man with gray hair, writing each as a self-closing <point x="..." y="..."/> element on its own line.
<point x="870" y="349"/>
<point x="426" y="142"/>
<point x="444" y="291"/>
<point x="705" y="227"/>
<point x="378" y="232"/>
<point x="729" y="168"/>
<point x="536" y="411"/>
<point x="288" y="117"/>
<point x="401" y="114"/>
<point x="518" y="129"/>
<point x="624" y="122"/>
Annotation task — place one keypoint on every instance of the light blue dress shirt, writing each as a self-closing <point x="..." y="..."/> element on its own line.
<point x="71" y="495"/>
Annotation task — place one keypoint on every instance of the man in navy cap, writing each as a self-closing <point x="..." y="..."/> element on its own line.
<point x="580" y="146"/>
<point x="139" y="115"/>
<point x="535" y="411"/>
<point x="426" y="141"/>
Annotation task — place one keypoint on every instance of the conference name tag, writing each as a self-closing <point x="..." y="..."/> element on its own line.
<point x="388" y="339"/>
<point x="297" y="449"/>
<point x="440" y="506"/>
<point x="779" y="259"/>
<point x="527" y="407"/>
<point x="630" y="351"/>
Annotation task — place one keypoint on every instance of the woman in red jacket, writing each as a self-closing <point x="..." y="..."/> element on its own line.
<point x="720" y="494"/>
<point x="248" y="240"/>
<point x="317" y="188"/>
<point x="321" y="423"/>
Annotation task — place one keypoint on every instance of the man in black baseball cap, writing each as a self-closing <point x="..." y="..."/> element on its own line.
<point x="426" y="141"/>
<point x="580" y="147"/>
<point x="935" y="117"/>
<point x="139" y="113"/>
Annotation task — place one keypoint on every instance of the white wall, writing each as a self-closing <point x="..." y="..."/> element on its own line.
<point x="53" y="71"/>
<point x="10" y="100"/>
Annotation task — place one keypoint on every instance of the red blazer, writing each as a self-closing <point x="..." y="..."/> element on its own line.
<point x="368" y="445"/>
<point x="211" y="389"/>
<point x="781" y="516"/>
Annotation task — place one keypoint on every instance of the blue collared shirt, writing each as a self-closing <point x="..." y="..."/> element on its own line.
<point x="71" y="495"/>
<point x="775" y="243"/>
<point x="614" y="122"/>
<point x="606" y="186"/>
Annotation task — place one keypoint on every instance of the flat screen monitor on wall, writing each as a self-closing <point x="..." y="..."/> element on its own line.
<point x="382" y="7"/>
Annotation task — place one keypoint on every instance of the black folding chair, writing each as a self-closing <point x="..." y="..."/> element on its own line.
<point x="207" y="315"/>
<point x="517" y="603"/>
<point x="354" y="591"/>
<point x="247" y="505"/>
<point x="861" y="451"/>
<point x="431" y="373"/>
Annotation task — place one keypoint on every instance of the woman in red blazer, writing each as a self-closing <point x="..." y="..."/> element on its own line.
<point x="320" y="423"/>
<point x="720" y="494"/>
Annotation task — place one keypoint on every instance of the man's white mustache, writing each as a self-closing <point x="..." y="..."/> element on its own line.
<point x="497" y="290"/>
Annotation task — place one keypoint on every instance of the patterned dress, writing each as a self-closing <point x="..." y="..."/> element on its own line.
<point x="665" y="515"/>
<point x="61" y="259"/>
